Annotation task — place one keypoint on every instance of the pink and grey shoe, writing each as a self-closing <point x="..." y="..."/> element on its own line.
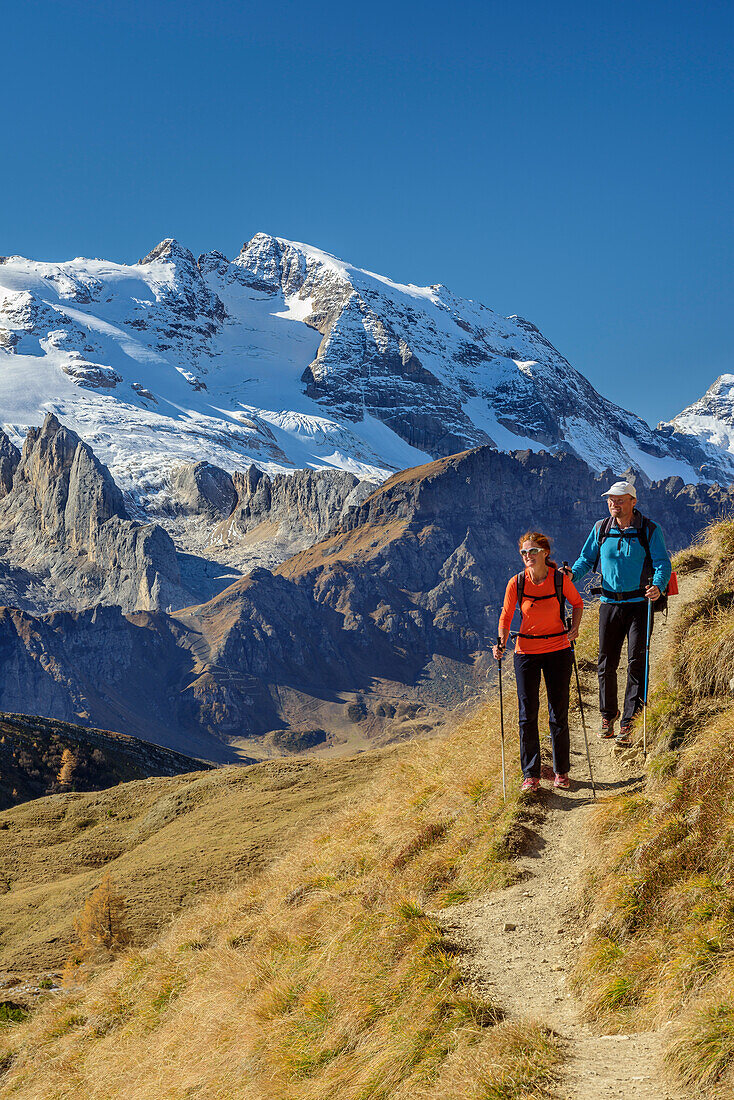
<point x="624" y="737"/>
<point x="561" y="781"/>
<point x="607" y="726"/>
<point x="529" y="783"/>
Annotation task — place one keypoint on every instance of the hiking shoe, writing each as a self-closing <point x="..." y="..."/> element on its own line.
<point x="607" y="726"/>
<point x="624" y="737"/>
<point x="530" y="784"/>
<point x="561" y="781"/>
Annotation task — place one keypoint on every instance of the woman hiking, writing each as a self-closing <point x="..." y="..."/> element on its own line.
<point x="543" y="646"/>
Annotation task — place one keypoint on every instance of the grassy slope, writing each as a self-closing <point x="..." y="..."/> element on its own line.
<point x="323" y="977"/>
<point x="660" y="895"/>
<point x="31" y="756"/>
<point x="163" y="840"/>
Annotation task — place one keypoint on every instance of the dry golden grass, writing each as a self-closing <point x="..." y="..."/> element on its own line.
<point x="327" y="975"/>
<point x="660" y="894"/>
<point x="164" y="841"/>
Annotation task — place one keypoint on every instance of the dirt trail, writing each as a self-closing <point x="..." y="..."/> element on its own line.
<point x="524" y="968"/>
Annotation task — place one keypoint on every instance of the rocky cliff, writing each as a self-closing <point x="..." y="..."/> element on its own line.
<point x="288" y="512"/>
<point x="65" y="535"/>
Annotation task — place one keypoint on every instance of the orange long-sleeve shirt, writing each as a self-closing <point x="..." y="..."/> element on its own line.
<point x="539" y="616"/>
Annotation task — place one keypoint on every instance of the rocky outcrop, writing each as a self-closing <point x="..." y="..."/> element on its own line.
<point x="199" y="488"/>
<point x="248" y="520"/>
<point x="300" y="508"/>
<point x="63" y="526"/>
<point x="9" y="459"/>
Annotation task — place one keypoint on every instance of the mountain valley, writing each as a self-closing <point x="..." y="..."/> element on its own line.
<point x="374" y="630"/>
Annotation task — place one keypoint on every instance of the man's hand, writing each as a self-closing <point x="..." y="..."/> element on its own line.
<point x="652" y="593"/>
<point x="498" y="653"/>
<point x="567" y="570"/>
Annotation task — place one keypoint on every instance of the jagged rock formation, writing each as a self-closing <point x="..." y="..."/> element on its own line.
<point x="389" y="611"/>
<point x="65" y="532"/>
<point x="248" y="520"/>
<point x="289" y="358"/>
<point x="9" y="459"/>
<point x="289" y="511"/>
<point x="202" y="489"/>
<point x="39" y="757"/>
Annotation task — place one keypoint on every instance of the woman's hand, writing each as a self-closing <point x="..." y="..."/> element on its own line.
<point x="573" y="633"/>
<point x="498" y="653"/>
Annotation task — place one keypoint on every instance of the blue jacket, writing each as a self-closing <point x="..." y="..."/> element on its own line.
<point x="622" y="560"/>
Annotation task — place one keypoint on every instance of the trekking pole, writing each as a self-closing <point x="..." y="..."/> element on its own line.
<point x="502" y="725"/>
<point x="647" y="680"/>
<point x="581" y="707"/>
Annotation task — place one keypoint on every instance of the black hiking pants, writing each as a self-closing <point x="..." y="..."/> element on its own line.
<point x="556" y="670"/>
<point x="618" y="621"/>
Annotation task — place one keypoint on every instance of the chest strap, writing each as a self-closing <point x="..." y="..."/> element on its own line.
<point x="556" y="594"/>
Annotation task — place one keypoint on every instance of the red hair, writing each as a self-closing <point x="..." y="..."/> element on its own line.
<point x="540" y="540"/>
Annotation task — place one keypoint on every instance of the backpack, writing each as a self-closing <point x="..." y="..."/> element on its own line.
<point x="556" y="594"/>
<point x="643" y="534"/>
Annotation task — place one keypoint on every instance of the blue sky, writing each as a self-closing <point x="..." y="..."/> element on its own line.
<point x="569" y="162"/>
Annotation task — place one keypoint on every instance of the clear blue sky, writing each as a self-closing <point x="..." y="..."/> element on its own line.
<point x="571" y="162"/>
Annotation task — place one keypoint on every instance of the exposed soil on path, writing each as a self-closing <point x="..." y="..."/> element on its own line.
<point x="521" y="942"/>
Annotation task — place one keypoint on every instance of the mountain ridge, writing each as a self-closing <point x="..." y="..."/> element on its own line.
<point x="391" y="613"/>
<point x="288" y="357"/>
<point x="40" y="756"/>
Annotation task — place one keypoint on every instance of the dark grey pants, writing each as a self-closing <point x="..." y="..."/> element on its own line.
<point x="556" y="670"/>
<point x="618" y="621"/>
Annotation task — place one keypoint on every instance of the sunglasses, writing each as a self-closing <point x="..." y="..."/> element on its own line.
<point x="530" y="553"/>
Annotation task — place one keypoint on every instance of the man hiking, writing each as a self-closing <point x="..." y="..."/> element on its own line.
<point x="629" y="551"/>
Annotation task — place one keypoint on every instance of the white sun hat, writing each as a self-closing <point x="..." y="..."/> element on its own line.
<point x="621" y="489"/>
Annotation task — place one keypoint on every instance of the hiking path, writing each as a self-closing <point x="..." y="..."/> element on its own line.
<point x="520" y="943"/>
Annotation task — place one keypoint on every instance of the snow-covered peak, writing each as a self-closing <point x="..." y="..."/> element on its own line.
<point x="717" y="404"/>
<point x="706" y="430"/>
<point x="169" y="250"/>
<point x="289" y="357"/>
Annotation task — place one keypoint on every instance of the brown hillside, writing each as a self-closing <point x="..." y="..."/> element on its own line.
<point x="164" y="841"/>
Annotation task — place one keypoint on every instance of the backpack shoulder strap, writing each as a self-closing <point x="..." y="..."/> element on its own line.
<point x="558" y="582"/>
<point x="520" y="579"/>
<point x="603" y="527"/>
<point x="646" y="529"/>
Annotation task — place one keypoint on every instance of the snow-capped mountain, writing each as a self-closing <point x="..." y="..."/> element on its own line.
<point x="290" y="358"/>
<point x="707" y="426"/>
